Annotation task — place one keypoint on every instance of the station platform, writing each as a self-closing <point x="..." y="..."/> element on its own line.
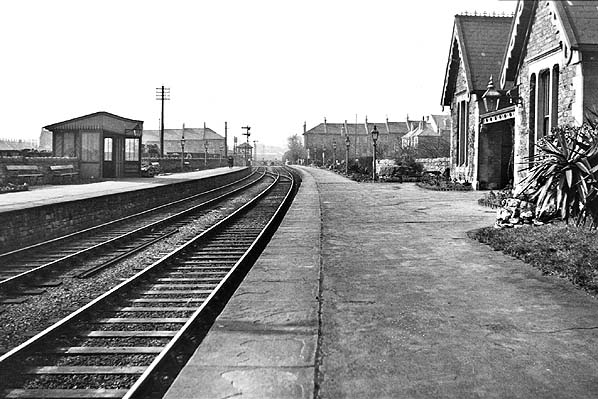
<point x="52" y="194"/>
<point x="375" y="291"/>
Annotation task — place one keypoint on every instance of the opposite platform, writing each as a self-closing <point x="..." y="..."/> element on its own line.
<point x="410" y="307"/>
<point x="52" y="194"/>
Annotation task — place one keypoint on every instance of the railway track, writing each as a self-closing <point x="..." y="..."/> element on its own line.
<point x="131" y="341"/>
<point x="111" y="241"/>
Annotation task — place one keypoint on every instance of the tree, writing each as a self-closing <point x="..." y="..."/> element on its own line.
<point x="295" y="149"/>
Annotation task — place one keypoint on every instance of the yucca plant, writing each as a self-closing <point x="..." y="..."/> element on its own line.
<point x="563" y="178"/>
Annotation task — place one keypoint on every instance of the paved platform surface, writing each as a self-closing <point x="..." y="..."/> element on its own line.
<point x="375" y="291"/>
<point x="50" y="194"/>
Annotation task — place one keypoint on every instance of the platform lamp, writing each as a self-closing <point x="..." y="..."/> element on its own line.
<point x="491" y="97"/>
<point x="205" y="159"/>
<point x="333" y="153"/>
<point x="348" y="144"/>
<point x="374" y="133"/>
<point x="221" y="150"/>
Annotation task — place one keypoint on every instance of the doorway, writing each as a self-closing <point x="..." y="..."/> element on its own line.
<point x="108" y="164"/>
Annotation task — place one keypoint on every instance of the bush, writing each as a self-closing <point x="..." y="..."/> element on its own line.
<point x="563" y="178"/>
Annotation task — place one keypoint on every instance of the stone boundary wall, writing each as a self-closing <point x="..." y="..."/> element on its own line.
<point x="42" y="163"/>
<point x="28" y="226"/>
<point x="170" y="165"/>
<point x="434" y="164"/>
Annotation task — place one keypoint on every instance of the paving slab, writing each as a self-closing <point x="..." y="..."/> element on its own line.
<point x="263" y="345"/>
<point x="379" y="293"/>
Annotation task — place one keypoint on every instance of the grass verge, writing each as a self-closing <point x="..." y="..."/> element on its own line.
<point x="556" y="249"/>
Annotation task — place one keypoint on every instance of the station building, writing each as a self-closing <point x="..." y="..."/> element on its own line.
<point x="510" y="80"/>
<point x="106" y="145"/>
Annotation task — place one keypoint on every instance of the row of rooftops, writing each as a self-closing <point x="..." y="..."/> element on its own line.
<point x="491" y="45"/>
<point x="431" y="123"/>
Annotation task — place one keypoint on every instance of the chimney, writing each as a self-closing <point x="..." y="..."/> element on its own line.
<point x="387" y="126"/>
<point x="304" y="127"/>
<point x="325" y="126"/>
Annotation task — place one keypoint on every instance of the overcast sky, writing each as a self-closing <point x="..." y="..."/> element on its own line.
<point x="269" y="64"/>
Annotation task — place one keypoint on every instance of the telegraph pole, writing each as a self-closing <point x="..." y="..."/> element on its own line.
<point x="247" y="134"/>
<point x="162" y="94"/>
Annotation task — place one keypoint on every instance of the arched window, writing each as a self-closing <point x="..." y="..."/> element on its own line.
<point x="532" y="117"/>
<point x="554" y="113"/>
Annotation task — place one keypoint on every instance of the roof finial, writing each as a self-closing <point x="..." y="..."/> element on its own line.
<point x="490" y="83"/>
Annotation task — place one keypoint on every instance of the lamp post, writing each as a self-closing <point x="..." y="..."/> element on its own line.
<point x="221" y="149"/>
<point x="205" y="157"/>
<point x="183" y="149"/>
<point x="333" y="154"/>
<point x="374" y="139"/>
<point x="323" y="156"/>
<point x="348" y="144"/>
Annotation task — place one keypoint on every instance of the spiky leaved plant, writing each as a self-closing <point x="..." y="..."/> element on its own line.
<point x="564" y="175"/>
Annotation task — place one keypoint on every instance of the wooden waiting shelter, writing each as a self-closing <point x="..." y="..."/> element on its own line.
<point x="106" y="145"/>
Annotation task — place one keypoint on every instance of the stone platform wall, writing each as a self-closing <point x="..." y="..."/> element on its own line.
<point x="28" y="226"/>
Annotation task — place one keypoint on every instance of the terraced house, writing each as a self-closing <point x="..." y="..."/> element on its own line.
<point x="547" y="75"/>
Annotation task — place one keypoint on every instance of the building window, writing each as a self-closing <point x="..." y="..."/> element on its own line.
<point x="532" y="118"/>
<point x="462" y="118"/>
<point x="90" y="147"/>
<point x="131" y="149"/>
<point x="107" y="148"/>
<point x="543" y="107"/>
<point x="554" y="113"/>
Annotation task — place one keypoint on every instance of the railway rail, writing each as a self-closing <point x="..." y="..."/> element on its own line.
<point x="113" y="241"/>
<point x="131" y="341"/>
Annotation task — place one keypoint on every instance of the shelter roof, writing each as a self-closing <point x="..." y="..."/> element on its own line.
<point x="98" y="121"/>
<point x="399" y="128"/>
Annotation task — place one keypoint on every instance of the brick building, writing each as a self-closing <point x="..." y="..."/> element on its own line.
<point x="320" y="141"/>
<point x="544" y="61"/>
<point x="195" y="141"/>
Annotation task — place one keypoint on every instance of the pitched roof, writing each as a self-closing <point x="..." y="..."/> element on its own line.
<point x="479" y="42"/>
<point x="580" y="20"/>
<point x="399" y="128"/>
<point x="191" y="133"/>
<point x="102" y="119"/>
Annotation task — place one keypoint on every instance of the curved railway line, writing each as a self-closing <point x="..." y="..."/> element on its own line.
<point x="112" y="241"/>
<point x="131" y="341"/>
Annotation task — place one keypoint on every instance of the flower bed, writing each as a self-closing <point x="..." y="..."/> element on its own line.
<point x="11" y="188"/>
<point x="445" y="186"/>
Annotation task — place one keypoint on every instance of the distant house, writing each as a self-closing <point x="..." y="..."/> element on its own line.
<point x="195" y="141"/>
<point x="328" y="140"/>
<point x="541" y="68"/>
<point x="15" y="147"/>
<point x="429" y="137"/>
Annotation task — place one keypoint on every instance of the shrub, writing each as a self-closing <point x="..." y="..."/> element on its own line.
<point x="562" y="179"/>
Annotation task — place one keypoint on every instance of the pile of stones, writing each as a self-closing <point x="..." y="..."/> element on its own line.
<point x="515" y="213"/>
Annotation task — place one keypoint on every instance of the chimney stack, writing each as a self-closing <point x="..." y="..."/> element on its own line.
<point x="325" y="126"/>
<point x="304" y="127"/>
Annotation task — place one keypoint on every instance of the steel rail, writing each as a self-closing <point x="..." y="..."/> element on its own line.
<point x="162" y="360"/>
<point x="20" y="277"/>
<point x="116" y="221"/>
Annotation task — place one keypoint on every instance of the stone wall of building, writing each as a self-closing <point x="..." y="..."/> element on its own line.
<point x="544" y="35"/>
<point x="464" y="171"/>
